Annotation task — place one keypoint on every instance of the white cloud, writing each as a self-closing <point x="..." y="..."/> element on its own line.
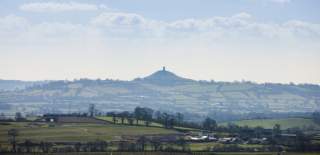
<point x="60" y="7"/>
<point x="234" y="22"/>
<point x="118" y="19"/>
<point x="303" y="28"/>
<point x="125" y="39"/>
<point x="243" y="15"/>
<point x="122" y="25"/>
<point x="12" y="25"/>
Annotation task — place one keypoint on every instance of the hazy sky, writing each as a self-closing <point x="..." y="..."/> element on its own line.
<point x="224" y="40"/>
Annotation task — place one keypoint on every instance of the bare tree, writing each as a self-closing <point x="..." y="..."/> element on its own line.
<point x="45" y="146"/>
<point x="77" y="146"/>
<point x="13" y="133"/>
<point x="138" y="114"/>
<point x="156" y="144"/>
<point x="114" y="118"/>
<point x="142" y="142"/>
<point x="18" y="116"/>
<point x="209" y="124"/>
<point x="123" y="146"/>
<point x="130" y="120"/>
<point x="2" y="116"/>
<point x="123" y="116"/>
<point x="28" y="144"/>
<point x="182" y="143"/>
<point x="179" y="117"/>
<point x="91" y="110"/>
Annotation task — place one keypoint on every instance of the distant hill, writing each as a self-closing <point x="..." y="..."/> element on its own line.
<point x="163" y="90"/>
<point x="165" y="78"/>
<point x="9" y="85"/>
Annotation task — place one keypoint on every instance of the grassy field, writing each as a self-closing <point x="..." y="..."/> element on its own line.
<point x="75" y="132"/>
<point x="267" y="153"/>
<point x="84" y="132"/>
<point x="142" y="123"/>
<point x="204" y="145"/>
<point x="284" y="123"/>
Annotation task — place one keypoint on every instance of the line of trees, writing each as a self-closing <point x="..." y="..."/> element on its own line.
<point x="168" y="120"/>
<point x="146" y="115"/>
<point x="141" y="144"/>
<point x="13" y="133"/>
<point x="316" y="117"/>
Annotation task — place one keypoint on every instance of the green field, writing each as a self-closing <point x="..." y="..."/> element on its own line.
<point x="83" y="132"/>
<point x="142" y="123"/>
<point x="284" y="123"/>
<point x="76" y="132"/>
<point x="267" y="153"/>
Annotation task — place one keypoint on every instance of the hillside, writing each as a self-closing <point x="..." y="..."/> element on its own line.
<point x="163" y="90"/>
<point x="9" y="85"/>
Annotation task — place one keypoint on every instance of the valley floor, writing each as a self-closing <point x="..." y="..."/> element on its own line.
<point x="85" y="132"/>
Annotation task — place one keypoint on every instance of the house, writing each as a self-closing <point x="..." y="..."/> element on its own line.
<point x="258" y="140"/>
<point x="229" y="140"/>
<point x="201" y="137"/>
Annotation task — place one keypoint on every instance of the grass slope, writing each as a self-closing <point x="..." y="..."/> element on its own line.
<point x="142" y="123"/>
<point x="284" y="123"/>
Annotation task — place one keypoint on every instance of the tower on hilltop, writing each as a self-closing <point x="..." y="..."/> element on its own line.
<point x="164" y="68"/>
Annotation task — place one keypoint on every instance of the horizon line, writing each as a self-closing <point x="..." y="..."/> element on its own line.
<point x="164" y="68"/>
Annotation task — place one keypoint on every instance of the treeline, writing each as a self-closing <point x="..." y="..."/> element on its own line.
<point x="316" y="117"/>
<point x="146" y="116"/>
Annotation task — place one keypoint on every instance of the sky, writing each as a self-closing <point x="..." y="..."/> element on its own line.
<point x="222" y="40"/>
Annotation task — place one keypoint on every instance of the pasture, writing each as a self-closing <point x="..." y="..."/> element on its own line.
<point x="285" y="123"/>
<point x="82" y="132"/>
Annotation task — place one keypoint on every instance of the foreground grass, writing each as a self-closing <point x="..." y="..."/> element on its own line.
<point x="206" y="145"/>
<point x="284" y="123"/>
<point x="267" y="153"/>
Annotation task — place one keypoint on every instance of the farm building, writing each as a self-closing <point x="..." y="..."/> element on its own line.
<point x="71" y="118"/>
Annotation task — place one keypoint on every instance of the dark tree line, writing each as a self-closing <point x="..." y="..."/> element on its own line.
<point x="209" y="124"/>
<point x="13" y="133"/>
<point x="316" y="117"/>
<point x="146" y="115"/>
<point x="138" y="115"/>
<point x="168" y="120"/>
<point x="142" y="143"/>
